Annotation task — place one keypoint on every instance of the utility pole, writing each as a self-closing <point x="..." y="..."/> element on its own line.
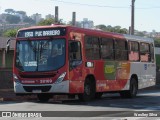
<point x="132" y="17"/>
<point x="74" y="18"/>
<point x="56" y="14"/>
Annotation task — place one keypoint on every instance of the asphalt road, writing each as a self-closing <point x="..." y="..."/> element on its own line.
<point x="111" y="106"/>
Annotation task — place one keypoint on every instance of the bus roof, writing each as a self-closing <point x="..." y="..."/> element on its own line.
<point x="96" y="32"/>
<point x="138" y="38"/>
<point x="43" y="27"/>
<point x="77" y="29"/>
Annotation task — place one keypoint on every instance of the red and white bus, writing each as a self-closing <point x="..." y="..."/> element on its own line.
<point x="61" y="59"/>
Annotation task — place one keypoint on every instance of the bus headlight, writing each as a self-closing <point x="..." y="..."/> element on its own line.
<point x="60" y="78"/>
<point x="16" y="78"/>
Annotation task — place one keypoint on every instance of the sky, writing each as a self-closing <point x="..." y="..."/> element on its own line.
<point x="107" y="12"/>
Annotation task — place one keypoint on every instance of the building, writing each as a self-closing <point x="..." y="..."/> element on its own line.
<point x="36" y="17"/>
<point x="84" y="24"/>
<point x="6" y="60"/>
<point x="87" y="23"/>
<point x="49" y="16"/>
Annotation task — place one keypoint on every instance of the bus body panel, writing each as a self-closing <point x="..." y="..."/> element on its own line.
<point x="110" y="75"/>
<point x="145" y="73"/>
<point x="62" y="87"/>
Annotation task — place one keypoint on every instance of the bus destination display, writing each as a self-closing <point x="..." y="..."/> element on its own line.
<point x="42" y="32"/>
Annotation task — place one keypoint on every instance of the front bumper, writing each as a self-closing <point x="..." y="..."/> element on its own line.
<point x="62" y="87"/>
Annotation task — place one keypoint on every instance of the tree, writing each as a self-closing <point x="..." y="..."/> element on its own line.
<point x="117" y="28"/>
<point x="12" y="19"/>
<point x="50" y="21"/>
<point x="29" y="20"/>
<point x="123" y="31"/>
<point x="46" y="22"/>
<point x="109" y="28"/>
<point x="157" y="42"/>
<point x="102" y="27"/>
<point x="21" y="12"/>
<point x="10" y="33"/>
<point x="61" y="22"/>
<point x="10" y="11"/>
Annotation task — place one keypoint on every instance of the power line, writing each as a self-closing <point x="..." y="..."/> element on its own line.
<point x="104" y="6"/>
<point x="156" y="7"/>
<point x="89" y="4"/>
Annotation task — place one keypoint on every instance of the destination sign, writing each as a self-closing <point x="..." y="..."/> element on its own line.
<point x="42" y="32"/>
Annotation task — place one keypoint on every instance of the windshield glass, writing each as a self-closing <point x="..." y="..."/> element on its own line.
<point x="40" y="55"/>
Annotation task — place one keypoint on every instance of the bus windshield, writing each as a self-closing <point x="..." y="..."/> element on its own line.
<point x="40" y="55"/>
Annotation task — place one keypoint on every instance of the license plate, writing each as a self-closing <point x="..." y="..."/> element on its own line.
<point x="36" y="91"/>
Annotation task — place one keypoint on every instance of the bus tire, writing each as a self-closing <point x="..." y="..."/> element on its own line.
<point x="89" y="91"/>
<point x="44" y="97"/>
<point x="133" y="89"/>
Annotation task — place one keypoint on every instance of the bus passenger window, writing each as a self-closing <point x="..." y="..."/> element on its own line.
<point x="92" y="48"/>
<point x="121" y="50"/>
<point x="144" y="52"/>
<point x="133" y="48"/>
<point x="107" y="48"/>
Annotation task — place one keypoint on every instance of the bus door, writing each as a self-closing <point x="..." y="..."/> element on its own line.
<point x="75" y="64"/>
<point x="75" y="58"/>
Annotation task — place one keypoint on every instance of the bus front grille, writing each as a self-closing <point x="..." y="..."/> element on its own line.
<point x="37" y="76"/>
<point x="42" y="88"/>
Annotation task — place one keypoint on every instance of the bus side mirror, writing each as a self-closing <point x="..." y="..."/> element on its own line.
<point x="73" y="47"/>
<point x="8" y="46"/>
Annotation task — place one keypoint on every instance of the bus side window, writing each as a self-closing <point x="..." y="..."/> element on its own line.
<point x="75" y="56"/>
<point x="107" y="48"/>
<point x="121" y="50"/>
<point x="144" y="52"/>
<point x="133" y="48"/>
<point x="92" y="48"/>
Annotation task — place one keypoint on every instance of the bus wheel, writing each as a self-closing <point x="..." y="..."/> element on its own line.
<point x="132" y="92"/>
<point x="89" y="91"/>
<point x="44" y="97"/>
